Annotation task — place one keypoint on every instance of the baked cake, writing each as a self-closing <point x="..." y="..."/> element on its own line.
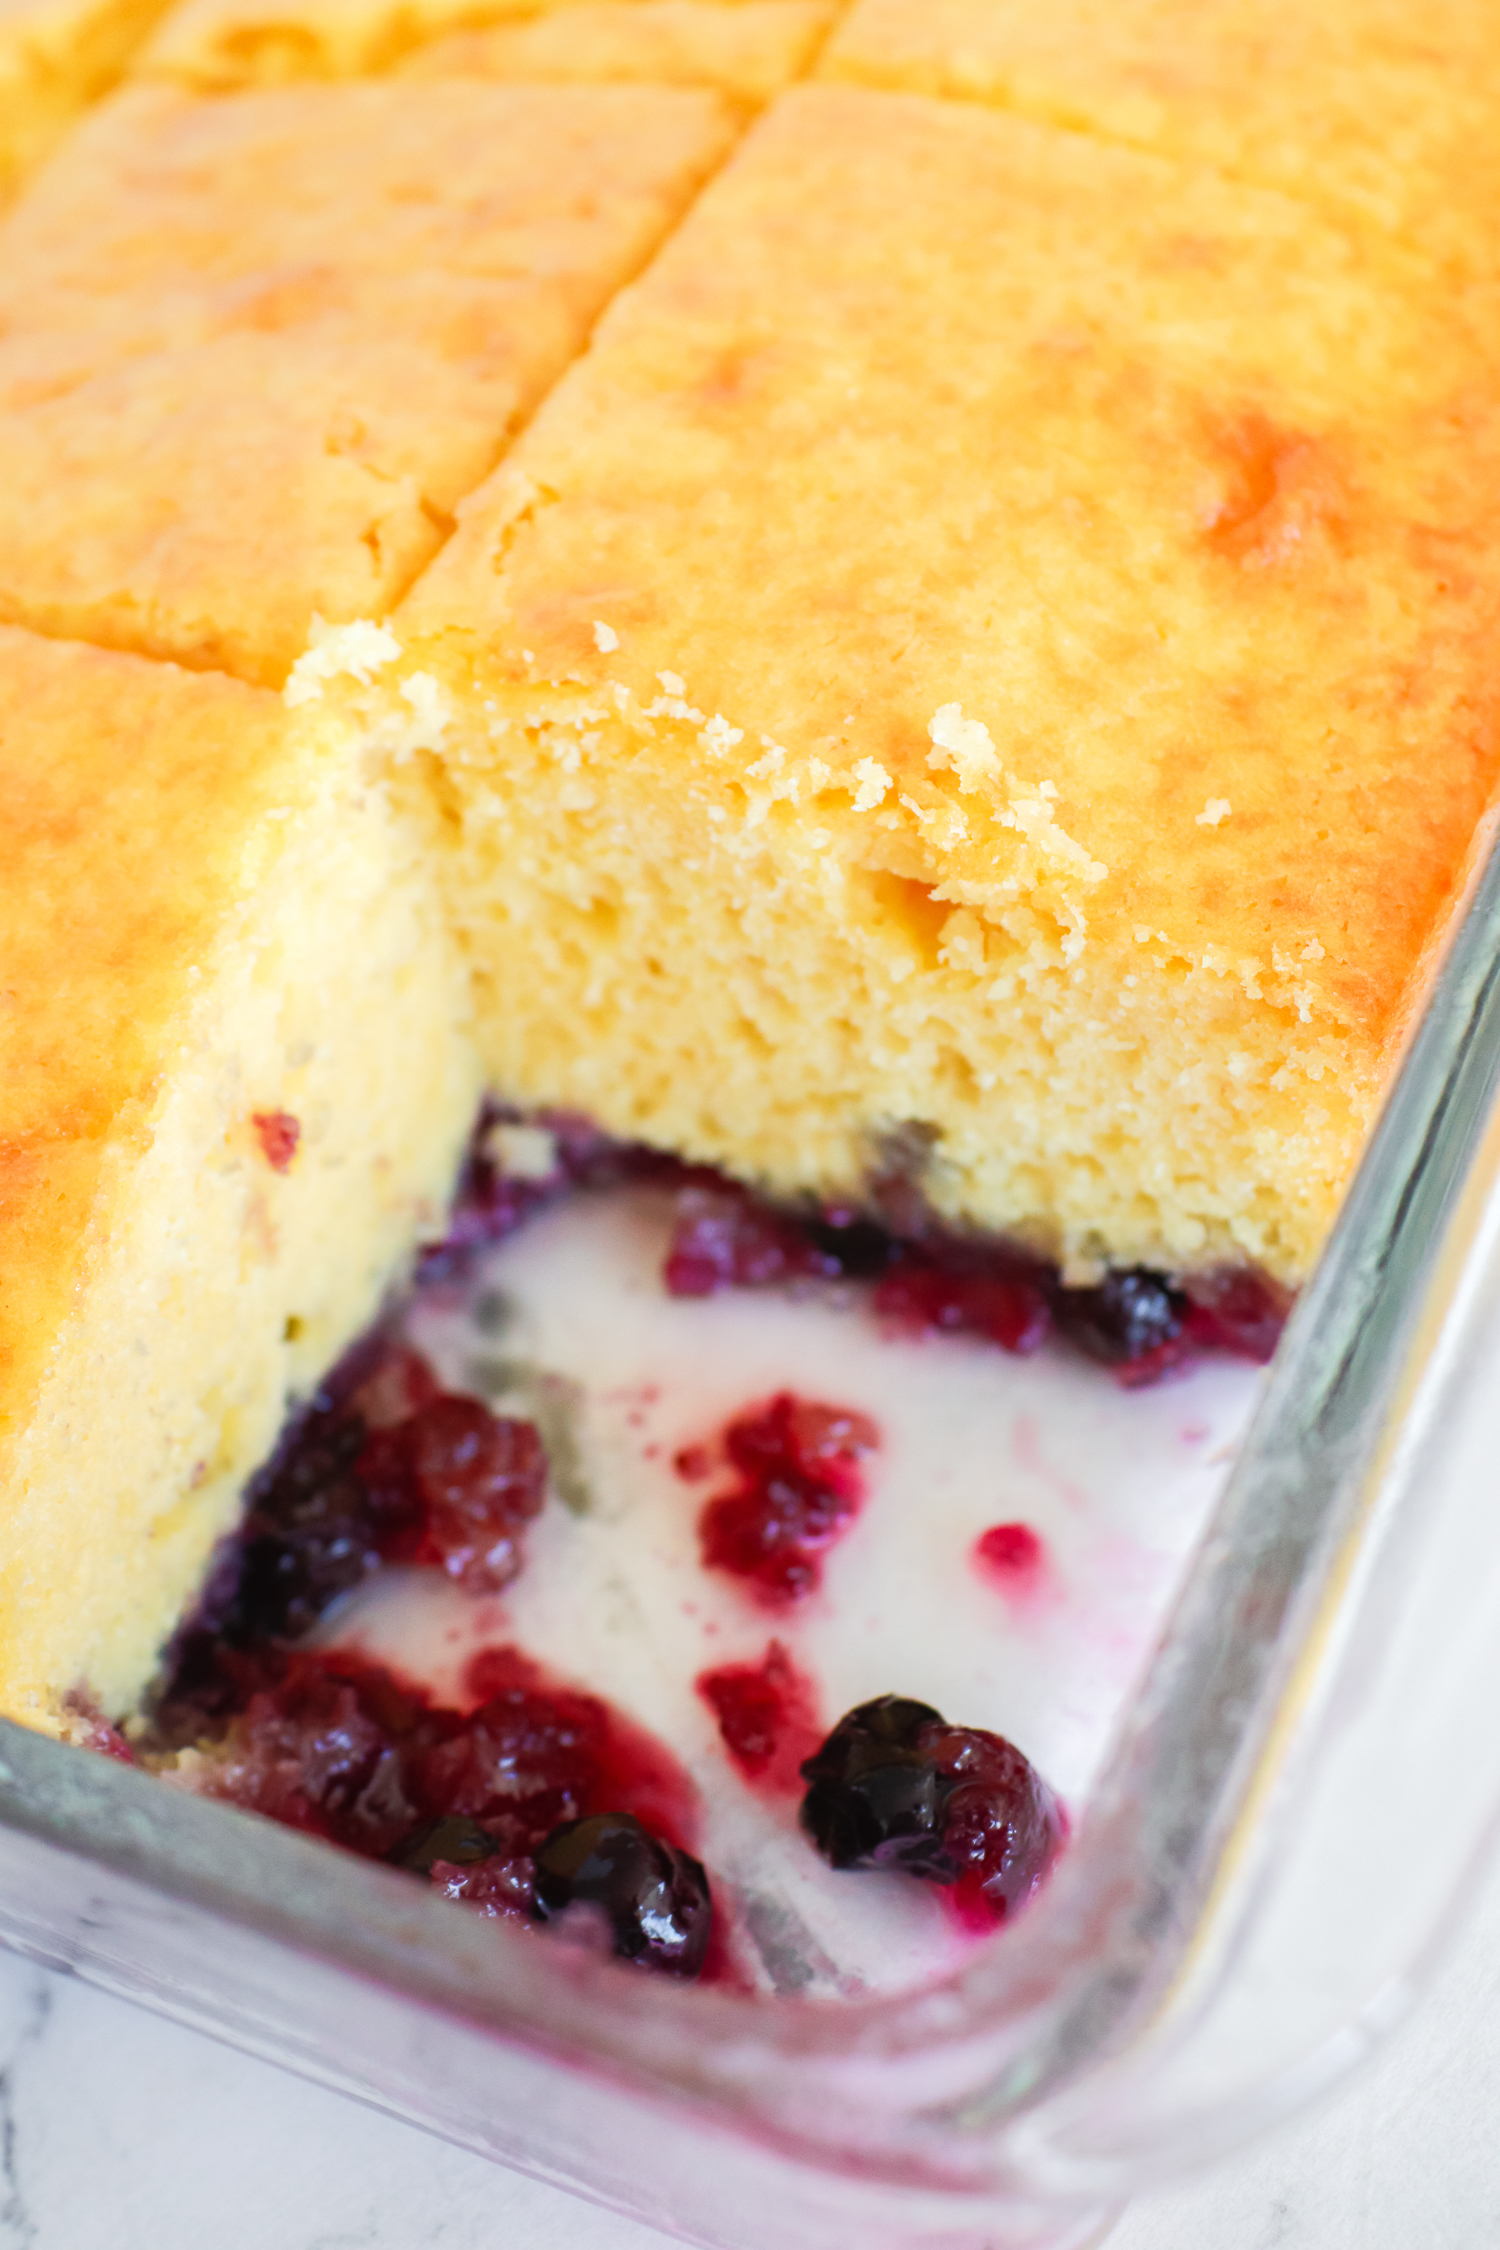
<point x="304" y="381"/>
<point x="991" y="647"/>
<point x="941" y="632"/>
<point x="1377" y="113"/>
<point x="234" y="1083"/>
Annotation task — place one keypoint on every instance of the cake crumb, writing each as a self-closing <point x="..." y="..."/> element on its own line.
<point x="873" y="781"/>
<point x="522" y="1152"/>
<point x="429" y="700"/>
<point x="964" y="746"/>
<point x="358" y="650"/>
<point x="606" y="639"/>
<point x="1217" y="809"/>
<point x="719" y="736"/>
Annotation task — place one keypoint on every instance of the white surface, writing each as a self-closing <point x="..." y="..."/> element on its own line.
<point x="120" y="2132"/>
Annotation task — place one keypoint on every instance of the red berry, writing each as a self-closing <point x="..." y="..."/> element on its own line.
<point x="1237" y="1311"/>
<point x="455" y="1485"/>
<point x="1009" y="1309"/>
<point x="766" y="1714"/>
<point x="800" y="1485"/>
<point x="278" y="1133"/>
<point x="1009" y="1551"/>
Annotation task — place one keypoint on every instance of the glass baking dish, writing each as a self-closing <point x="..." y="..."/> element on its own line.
<point x="1295" y="1792"/>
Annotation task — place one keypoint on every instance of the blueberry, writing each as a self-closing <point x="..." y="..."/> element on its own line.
<point x="1131" y="1313"/>
<point x="895" y="1786"/>
<point x="289" y="1577"/>
<point x="876" y="1797"/>
<point x="654" y="1899"/>
<point x="455" y="1838"/>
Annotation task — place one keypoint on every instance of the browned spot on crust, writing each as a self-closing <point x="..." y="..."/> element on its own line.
<point x="1281" y="493"/>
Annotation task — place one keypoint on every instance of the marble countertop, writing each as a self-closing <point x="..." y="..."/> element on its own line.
<point x="121" y="2132"/>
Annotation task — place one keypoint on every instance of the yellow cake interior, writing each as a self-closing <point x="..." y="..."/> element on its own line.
<point x="277" y="938"/>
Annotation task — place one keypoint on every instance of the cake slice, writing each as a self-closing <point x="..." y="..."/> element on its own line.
<point x="984" y="672"/>
<point x="1373" y="110"/>
<point x="234" y="1082"/>
<point x="255" y="349"/>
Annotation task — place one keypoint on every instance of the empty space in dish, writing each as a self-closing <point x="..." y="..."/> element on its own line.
<point x="569" y="1322"/>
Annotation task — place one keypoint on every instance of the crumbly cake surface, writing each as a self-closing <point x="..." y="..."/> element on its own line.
<point x="750" y="50"/>
<point x="1376" y="111"/>
<point x="203" y="922"/>
<point x="992" y="638"/>
<point x="256" y="348"/>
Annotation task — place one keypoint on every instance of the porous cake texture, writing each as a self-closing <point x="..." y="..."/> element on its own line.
<point x="253" y="350"/>
<point x="989" y="654"/>
<point x="1378" y="112"/>
<point x="234" y="1081"/>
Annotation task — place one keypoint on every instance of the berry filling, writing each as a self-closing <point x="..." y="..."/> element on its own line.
<point x="1010" y="1553"/>
<point x="1133" y="1319"/>
<point x="800" y="1485"/>
<point x="386" y="1469"/>
<point x="895" y="1786"/>
<point x="473" y="1801"/>
<point x="1139" y="1323"/>
<point x="767" y="1717"/>
<point x="726" y="1238"/>
<point x="1009" y="1308"/>
<point x="278" y="1133"/>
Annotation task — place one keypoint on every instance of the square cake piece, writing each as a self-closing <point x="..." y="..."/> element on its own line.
<point x="234" y="1083"/>
<point x="256" y="348"/>
<point x="987" y="663"/>
<point x="1376" y="111"/>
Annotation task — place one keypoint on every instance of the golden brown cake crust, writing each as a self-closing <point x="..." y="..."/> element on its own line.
<point x="128" y="791"/>
<point x="1379" y="112"/>
<point x="255" y="349"/>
